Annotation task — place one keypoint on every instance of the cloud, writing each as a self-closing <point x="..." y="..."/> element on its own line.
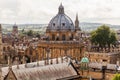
<point x="41" y="11"/>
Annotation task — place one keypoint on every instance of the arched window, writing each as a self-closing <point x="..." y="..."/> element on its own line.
<point x="71" y="37"/>
<point x="63" y="24"/>
<point x="4" y="49"/>
<point x="63" y="37"/>
<point x="53" y="24"/>
<point x="53" y="37"/>
<point x="57" y="38"/>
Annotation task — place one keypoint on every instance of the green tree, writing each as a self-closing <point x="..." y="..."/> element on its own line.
<point x="103" y="37"/>
<point x="23" y="30"/>
<point x="116" y="77"/>
<point x="30" y="33"/>
<point x="38" y="35"/>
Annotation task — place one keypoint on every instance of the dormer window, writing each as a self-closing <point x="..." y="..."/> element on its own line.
<point x="53" y="24"/>
<point x="63" y="24"/>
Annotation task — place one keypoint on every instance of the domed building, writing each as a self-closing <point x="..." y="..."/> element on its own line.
<point x="61" y="27"/>
<point x="61" y="39"/>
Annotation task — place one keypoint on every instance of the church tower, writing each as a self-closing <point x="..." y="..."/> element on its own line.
<point x="1" y="47"/>
<point x="15" y="30"/>
<point x="77" y="28"/>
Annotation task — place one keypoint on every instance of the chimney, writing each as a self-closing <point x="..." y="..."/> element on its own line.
<point x="57" y="60"/>
<point x="37" y="63"/>
<point x="17" y="59"/>
<point x="17" y="66"/>
<point x="9" y="61"/>
<point x="51" y="61"/>
<point x="62" y="59"/>
<point x="25" y="65"/>
<point x="24" y="60"/>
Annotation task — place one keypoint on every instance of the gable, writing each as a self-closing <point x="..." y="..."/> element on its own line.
<point x="10" y="75"/>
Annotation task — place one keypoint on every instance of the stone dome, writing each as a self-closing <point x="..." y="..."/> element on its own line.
<point x="61" y="21"/>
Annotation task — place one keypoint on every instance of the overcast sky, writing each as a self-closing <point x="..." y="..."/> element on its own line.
<point x="41" y="11"/>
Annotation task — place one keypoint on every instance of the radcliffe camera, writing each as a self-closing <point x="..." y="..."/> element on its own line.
<point x="59" y="40"/>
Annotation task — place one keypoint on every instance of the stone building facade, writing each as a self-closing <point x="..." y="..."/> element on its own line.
<point x="61" y="38"/>
<point x="110" y="58"/>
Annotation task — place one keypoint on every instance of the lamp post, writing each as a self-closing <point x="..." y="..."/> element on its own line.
<point x="104" y="67"/>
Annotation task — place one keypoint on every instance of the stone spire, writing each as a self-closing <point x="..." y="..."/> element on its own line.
<point x="77" y="23"/>
<point x="61" y="9"/>
<point x="15" y="30"/>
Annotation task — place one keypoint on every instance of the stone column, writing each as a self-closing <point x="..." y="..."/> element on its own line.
<point x="43" y="53"/>
<point x="56" y="56"/>
<point x="17" y="59"/>
<point x="47" y="55"/>
<point x="61" y="55"/>
<point x="51" y="61"/>
<point x="73" y="52"/>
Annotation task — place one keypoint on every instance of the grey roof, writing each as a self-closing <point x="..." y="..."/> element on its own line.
<point x="42" y="72"/>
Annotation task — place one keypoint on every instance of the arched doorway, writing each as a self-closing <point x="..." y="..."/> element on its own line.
<point x="57" y="38"/>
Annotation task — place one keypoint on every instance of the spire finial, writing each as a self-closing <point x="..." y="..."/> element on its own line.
<point x="77" y="23"/>
<point x="61" y="4"/>
<point x="61" y="9"/>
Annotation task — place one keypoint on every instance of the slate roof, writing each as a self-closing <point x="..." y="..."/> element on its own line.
<point x="42" y="72"/>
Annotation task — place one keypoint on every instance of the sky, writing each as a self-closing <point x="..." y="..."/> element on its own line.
<point x="42" y="11"/>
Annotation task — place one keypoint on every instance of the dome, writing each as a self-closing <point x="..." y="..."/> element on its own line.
<point x="84" y="60"/>
<point x="61" y="21"/>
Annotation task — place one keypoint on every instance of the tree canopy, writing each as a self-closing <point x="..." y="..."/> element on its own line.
<point x="103" y="37"/>
<point x="30" y="33"/>
<point x="116" y="77"/>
